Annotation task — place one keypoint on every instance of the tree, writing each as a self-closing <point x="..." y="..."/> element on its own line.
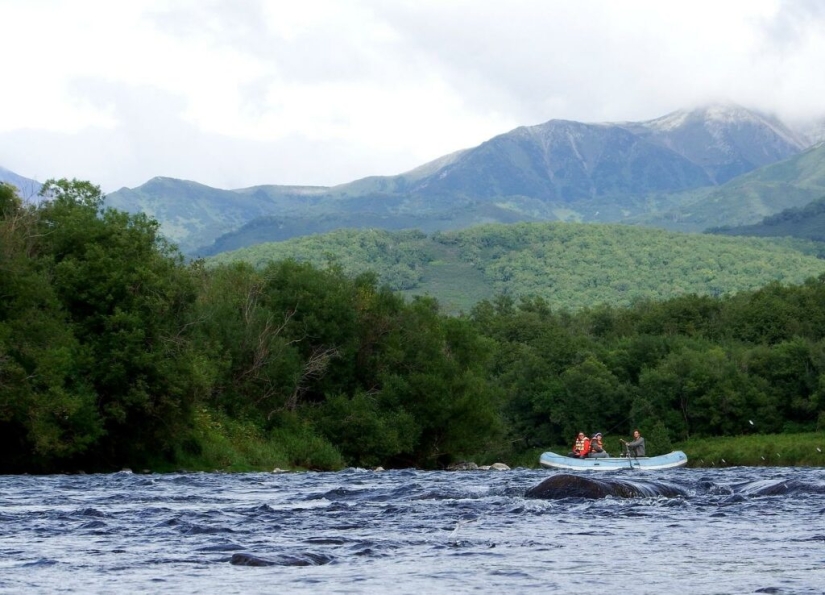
<point x="47" y="409"/>
<point x="126" y="296"/>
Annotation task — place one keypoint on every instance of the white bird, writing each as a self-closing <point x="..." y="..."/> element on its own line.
<point x="724" y="461"/>
<point x="818" y="449"/>
<point x="750" y="421"/>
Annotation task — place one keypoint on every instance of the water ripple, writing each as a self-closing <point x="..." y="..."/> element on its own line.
<point x="409" y="531"/>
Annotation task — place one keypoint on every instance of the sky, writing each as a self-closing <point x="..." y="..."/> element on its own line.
<point x="236" y="93"/>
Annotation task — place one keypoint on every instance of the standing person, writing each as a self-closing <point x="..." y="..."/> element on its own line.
<point x="597" y="450"/>
<point x="634" y="448"/>
<point x="581" y="447"/>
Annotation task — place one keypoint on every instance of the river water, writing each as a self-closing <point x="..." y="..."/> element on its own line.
<point x="736" y="530"/>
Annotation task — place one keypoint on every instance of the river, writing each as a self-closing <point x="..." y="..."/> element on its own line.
<point x="734" y="530"/>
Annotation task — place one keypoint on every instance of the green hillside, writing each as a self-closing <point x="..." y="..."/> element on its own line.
<point x="749" y="198"/>
<point x="806" y="223"/>
<point x="193" y="215"/>
<point x="571" y="265"/>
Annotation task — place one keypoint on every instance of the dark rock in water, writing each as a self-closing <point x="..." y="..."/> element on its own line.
<point x="565" y="485"/>
<point x="306" y="559"/>
<point x="769" y="488"/>
<point x="249" y="560"/>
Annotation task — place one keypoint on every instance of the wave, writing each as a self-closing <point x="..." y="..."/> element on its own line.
<point x="565" y="485"/>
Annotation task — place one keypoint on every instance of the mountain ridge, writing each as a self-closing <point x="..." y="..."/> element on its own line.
<point x="629" y="172"/>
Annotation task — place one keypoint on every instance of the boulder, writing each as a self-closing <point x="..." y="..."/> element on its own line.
<point x="464" y="466"/>
<point x="564" y="485"/>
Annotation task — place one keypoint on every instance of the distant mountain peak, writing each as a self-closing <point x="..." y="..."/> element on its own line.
<point x="27" y="188"/>
<point x="715" y="113"/>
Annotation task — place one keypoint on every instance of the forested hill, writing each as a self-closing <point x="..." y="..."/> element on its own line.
<point x="807" y="223"/>
<point x="570" y="265"/>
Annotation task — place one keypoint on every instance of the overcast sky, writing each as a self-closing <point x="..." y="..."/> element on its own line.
<point x="236" y="93"/>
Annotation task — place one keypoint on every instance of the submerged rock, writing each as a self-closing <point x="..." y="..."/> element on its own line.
<point x="304" y="559"/>
<point x="249" y="560"/>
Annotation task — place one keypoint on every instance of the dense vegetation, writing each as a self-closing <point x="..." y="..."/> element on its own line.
<point x="570" y="265"/>
<point x="806" y="222"/>
<point x="746" y="199"/>
<point x="115" y="351"/>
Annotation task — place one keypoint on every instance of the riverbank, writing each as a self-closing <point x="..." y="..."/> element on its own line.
<point x="241" y="450"/>
<point x="754" y="450"/>
<point x="775" y="450"/>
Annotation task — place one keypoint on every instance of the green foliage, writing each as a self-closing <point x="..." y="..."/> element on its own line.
<point x="657" y="440"/>
<point x="252" y="362"/>
<point x="368" y="430"/>
<point x="220" y="442"/>
<point x="47" y="408"/>
<point x="756" y="450"/>
<point x="807" y="222"/>
<point x="569" y="265"/>
<point x="10" y="203"/>
<point x="399" y="258"/>
<point x="114" y="351"/>
<point x="93" y="328"/>
<point x="126" y="296"/>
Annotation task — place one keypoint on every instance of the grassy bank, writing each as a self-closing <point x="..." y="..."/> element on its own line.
<point x="787" y="450"/>
<point x="222" y="444"/>
<point x="774" y="450"/>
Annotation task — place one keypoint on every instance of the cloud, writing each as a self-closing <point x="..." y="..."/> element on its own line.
<point x="322" y="92"/>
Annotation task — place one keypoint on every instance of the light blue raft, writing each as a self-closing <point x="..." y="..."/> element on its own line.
<point x="669" y="461"/>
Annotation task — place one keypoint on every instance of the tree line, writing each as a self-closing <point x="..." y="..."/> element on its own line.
<point x="115" y="351"/>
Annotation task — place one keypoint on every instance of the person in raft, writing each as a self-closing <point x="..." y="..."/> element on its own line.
<point x="634" y="448"/>
<point x="597" y="450"/>
<point x="581" y="447"/>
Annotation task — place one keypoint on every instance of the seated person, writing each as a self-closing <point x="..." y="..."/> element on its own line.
<point x="597" y="450"/>
<point x="634" y="448"/>
<point x="581" y="447"/>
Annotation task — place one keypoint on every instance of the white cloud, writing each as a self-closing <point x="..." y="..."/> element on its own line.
<point x="237" y="93"/>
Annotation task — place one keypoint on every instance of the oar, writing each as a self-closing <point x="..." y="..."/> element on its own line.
<point x="626" y="450"/>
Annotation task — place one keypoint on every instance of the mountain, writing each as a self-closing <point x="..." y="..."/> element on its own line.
<point x="27" y="189"/>
<point x="193" y="214"/>
<point x="559" y="170"/>
<point x="747" y="199"/>
<point x="725" y="140"/>
<point x="812" y="131"/>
